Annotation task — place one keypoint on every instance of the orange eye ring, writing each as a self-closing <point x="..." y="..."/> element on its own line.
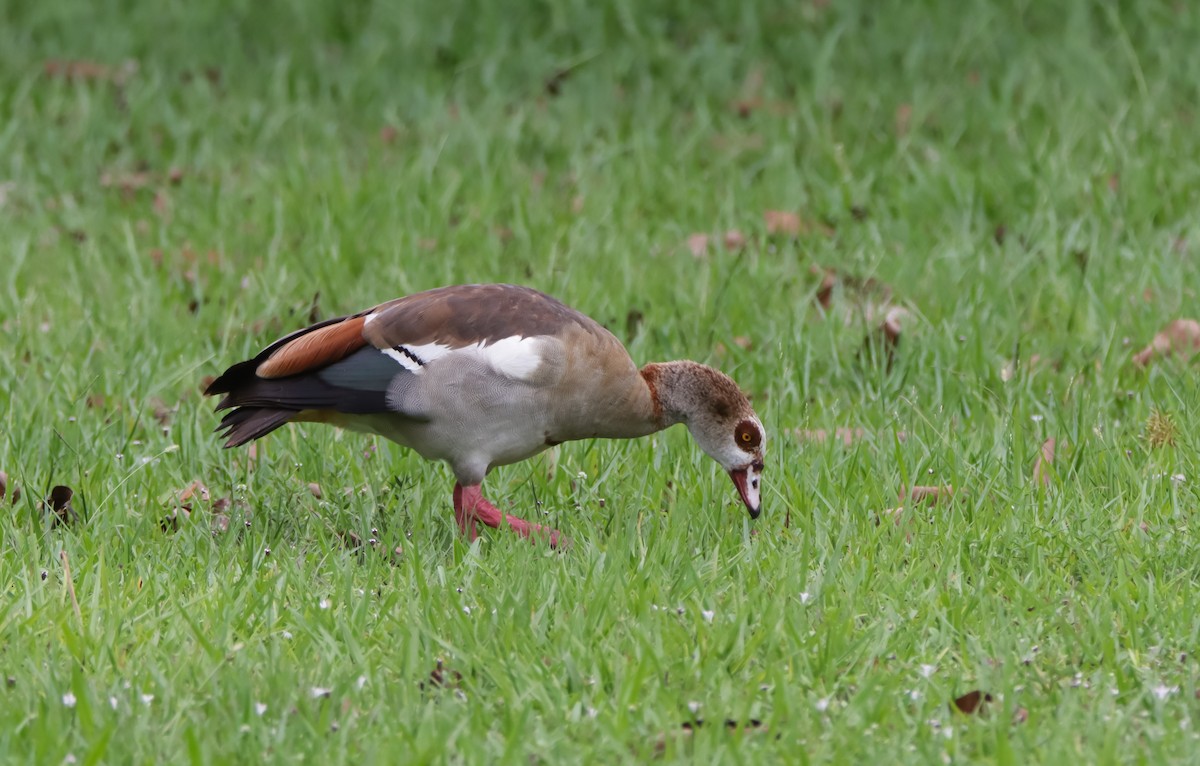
<point x="746" y="436"/>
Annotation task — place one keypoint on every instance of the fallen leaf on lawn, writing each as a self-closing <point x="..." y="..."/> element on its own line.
<point x="633" y="323"/>
<point x="1043" y="471"/>
<point x="864" y="286"/>
<point x="195" y="490"/>
<point x="442" y="677"/>
<point x="4" y="486"/>
<point x="126" y="182"/>
<point x="171" y="522"/>
<point x="162" y="413"/>
<point x="734" y="240"/>
<point x="743" y="342"/>
<point x="893" y="322"/>
<point x="555" y="81"/>
<point x="315" y="489"/>
<point x="698" y="245"/>
<point x="183" y="505"/>
<point x="85" y="70"/>
<point x="1180" y="336"/>
<point x="904" y="114"/>
<point x="1020" y="715"/>
<point x="825" y="290"/>
<point x="688" y="729"/>
<point x="782" y="222"/>
<point x="972" y="703"/>
<point x="929" y="495"/>
<point x="350" y="540"/>
<point x="887" y="335"/>
<point x="751" y="93"/>
<point x="59" y="503"/>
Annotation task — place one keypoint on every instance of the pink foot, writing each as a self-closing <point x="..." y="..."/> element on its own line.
<point x="470" y="506"/>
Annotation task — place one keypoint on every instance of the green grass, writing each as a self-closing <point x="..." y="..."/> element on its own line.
<point x="366" y="150"/>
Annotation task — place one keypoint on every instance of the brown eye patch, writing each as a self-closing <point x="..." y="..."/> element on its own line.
<point x="747" y="435"/>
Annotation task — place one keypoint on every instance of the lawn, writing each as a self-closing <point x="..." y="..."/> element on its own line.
<point x="754" y="185"/>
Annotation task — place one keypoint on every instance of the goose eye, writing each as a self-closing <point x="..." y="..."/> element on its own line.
<point x="747" y="435"/>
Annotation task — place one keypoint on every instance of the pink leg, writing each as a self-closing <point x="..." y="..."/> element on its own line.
<point x="470" y="506"/>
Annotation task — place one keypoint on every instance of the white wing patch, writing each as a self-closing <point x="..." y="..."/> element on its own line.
<point x="514" y="357"/>
<point x="427" y="352"/>
<point x="402" y="359"/>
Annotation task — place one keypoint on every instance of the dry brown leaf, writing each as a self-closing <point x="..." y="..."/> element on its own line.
<point x="783" y="222"/>
<point x="743" y="342"/>
<point x="893" y="322"/>
<point x="1020" y="715"/>
<point x="929" y="495"/>
<point x="825" y="290"/>
<point x="126" y="182"/>
<point x="904" y="114"/>
<point x="79" y="70"/>
<point x="59" y="503"/>
<point x="1180" y="336"/>
<point x="734" y="240"/>
<point x="442" y="677"/>
<point x="162" y="413"/>
<point x="972" y="703"/>
<point x="688" y="729"/>
<point x="315" y="489"/>
<point x="555" y="82"/>
<point x="698" y="245"/>
<point x="195" y="490"/>
<point x="633" y="322"/>
<point x="751" y="93"/>
<point x="1043" y="471"/>
<point x="887" y="335"/>
<point x="3" y="484"/>
<point x="350" y="540"/>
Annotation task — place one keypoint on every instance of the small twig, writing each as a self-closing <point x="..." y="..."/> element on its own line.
<point x="71" y="586"/>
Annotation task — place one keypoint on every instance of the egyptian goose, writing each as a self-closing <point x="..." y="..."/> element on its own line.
<point x="482" y="376"/>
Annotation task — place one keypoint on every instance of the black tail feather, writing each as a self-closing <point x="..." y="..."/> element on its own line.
<point x="249" y="423"/>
